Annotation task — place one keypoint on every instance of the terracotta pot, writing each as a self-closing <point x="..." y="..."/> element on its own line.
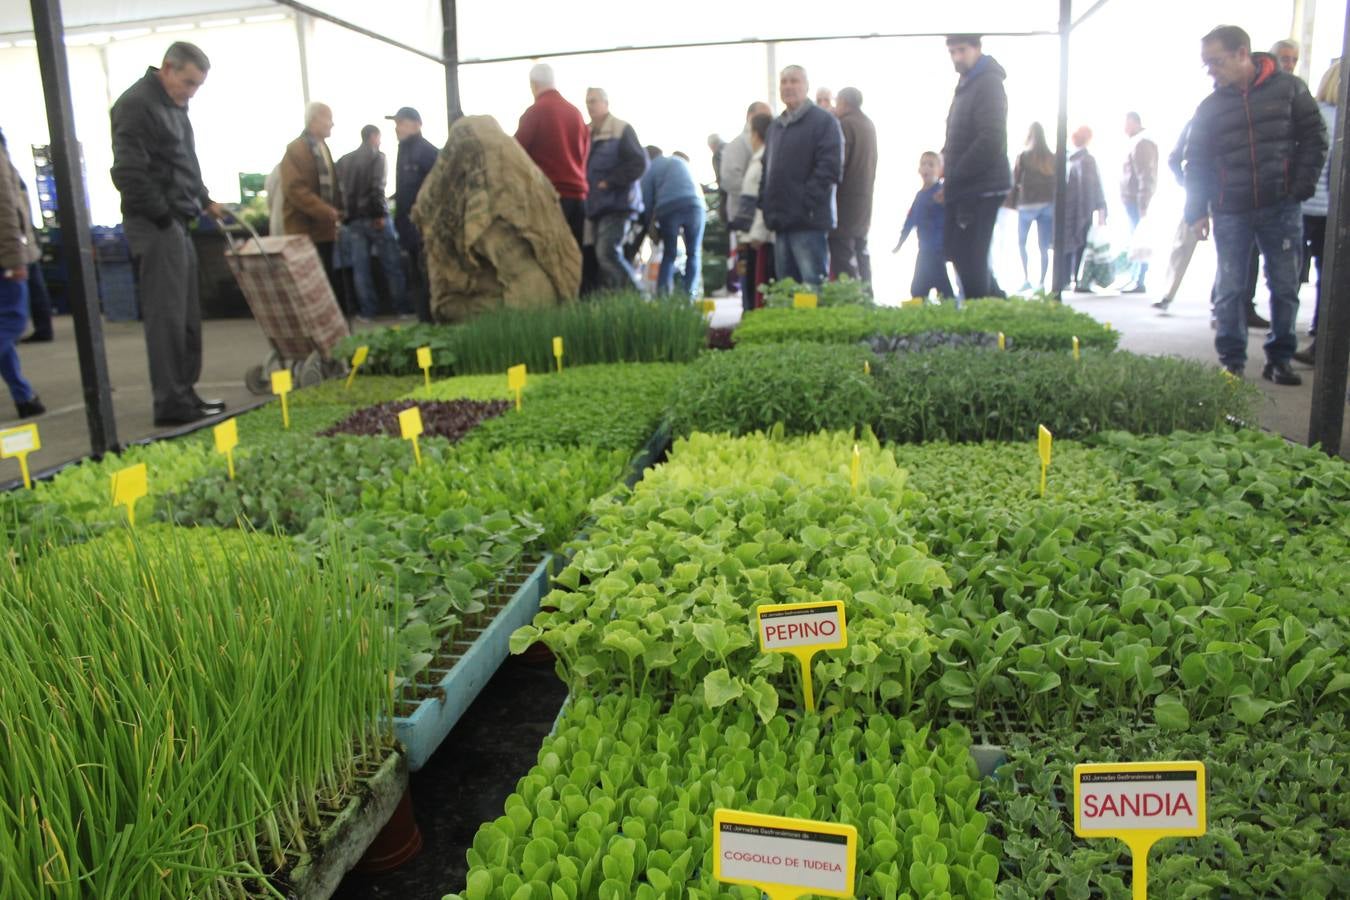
<point x="397" y="843"/>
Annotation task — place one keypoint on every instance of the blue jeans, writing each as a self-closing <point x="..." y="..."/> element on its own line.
<point x="1278" y="232"/>
<point x="687" y="221"/>
<point x="803" y="255"/>
<point x="13" y="323"/>
<point x="362" y="235"/>
<point x="1043" y="214"/>
<point x="615" y="272"/>
<point x="1139" y="270"/>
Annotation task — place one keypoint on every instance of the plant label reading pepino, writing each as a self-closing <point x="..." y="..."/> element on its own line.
<point x="803" y="629"/>
<point x="19" y="441"/>
<point x="785" y="858"/>
<point x="819" y="626"/>
<point x="1139" y="803"/>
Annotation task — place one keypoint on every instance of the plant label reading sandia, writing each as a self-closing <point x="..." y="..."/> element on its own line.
<point x="803" y="629"/>
<point x="1139" y="803"/>
<point x="786" y="858"/>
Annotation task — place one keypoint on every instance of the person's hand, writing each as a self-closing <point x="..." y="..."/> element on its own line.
<point x="216" y="211"/>
<point x="897" y="247"/>
<point x="1201" y="229"/>
<point x="756" y="244"/>
<point x="17" y="274"/>
<point x="603" y="185"/>
<point x="333" y="214"/>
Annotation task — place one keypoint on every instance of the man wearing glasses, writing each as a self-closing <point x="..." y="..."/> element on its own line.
<point x="1255" y="153"/>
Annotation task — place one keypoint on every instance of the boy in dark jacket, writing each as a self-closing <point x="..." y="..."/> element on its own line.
<point x="803" y="163"/>
<point x="926" y="214"/>
<point x="1255" y="152"/>
<point x="975" y="160"/>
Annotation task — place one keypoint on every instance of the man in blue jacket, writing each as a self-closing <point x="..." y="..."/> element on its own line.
<point x="614" y="198"/>
<point x="675" y="202"/>
<point x="416" y="156"/>
<point x="803" y="162"/>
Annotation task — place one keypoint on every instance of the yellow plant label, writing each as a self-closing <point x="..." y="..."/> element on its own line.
<point x="281" y="382"/>
<point x="558" y="351"/>
<point x="128" y="486"/>
<point x="867" y="367"/>
<point x="424" y="357"/>
<point x="18" y="443"/>
<point x="410" y="426"/>
<point x="1002" y="341"/>
<point x="855" y="468"/>
<point x="708" y="307"/>
<point x="805" y="301"/>
<point x="1139" y="803"/>
<point x="227" y="438"/>
<point x="785" y="858"/>
<point x="1077" y="354"/>
<point x="1044" y="444"/>
<point x="358" y="360"/>
<point x="515" y="381"/>
<point x="802" y="629"/>
<point x="912" y="301"/>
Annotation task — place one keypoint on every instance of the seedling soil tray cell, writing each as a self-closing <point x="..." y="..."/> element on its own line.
<point x="480" y="653"/>
<point x="347" y="833"/>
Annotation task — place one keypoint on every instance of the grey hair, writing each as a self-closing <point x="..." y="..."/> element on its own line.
<point x="181" y="53"/>
<point x="1285" y="44"/>
<point x="600" y="92"/>
<point x="314" y="109"/>
<point x="850" y="95"/>
<point x="801" y="69"/>
<point x="542" y="75"/>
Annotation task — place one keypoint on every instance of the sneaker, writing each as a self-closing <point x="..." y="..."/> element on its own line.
<point x="1280" y="373"/>
<point x="1135" y="289"/>
<point x="31" y="408"/>
<point x="1163" y="303"/>
<point x="1254" y="320"/>
<point x="36" y="338"/>
<point x="1307" y="356"/>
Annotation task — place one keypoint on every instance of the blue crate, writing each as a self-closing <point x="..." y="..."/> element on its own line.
<point x="117" y="291"/>
<point x="422" y="732"/>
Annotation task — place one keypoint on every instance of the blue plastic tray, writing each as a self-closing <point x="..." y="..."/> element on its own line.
<point x="422" y="732"/>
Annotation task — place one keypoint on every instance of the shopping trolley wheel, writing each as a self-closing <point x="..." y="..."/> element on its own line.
<point x="309" y="372"/>
<point x="257" y="381"/>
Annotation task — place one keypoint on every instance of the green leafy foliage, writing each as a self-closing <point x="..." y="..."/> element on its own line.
<point x="618" y="328"/>
<point x="953" y="394"/>
<point x="1026" y="324"/>
<point x="845" y="291"/>
<point x="621" y="803"/>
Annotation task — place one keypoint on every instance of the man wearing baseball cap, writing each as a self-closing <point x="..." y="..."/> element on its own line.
<point x="416" y="156"/>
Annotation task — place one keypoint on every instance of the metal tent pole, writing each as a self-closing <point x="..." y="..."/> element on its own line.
<point x="73" y="217"/>
<point x="1061" y="277"/>
<point x="450" y="55"/>
<point x="1333" y="320"/>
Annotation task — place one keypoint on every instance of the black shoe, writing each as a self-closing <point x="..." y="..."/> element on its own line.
<point x="1309" y="356"/>
<point x="37" y="339"/>
<point x="1163" y="303"/>
<point x="32" y="408"/>
<point x="183" y="419"/>
<point x="1135" y="289"/>
<point x="211" y="407"/>
<point x="1254" y="320"/>
<point x="1280" y="373"/>
<point x="1236" y="371"/>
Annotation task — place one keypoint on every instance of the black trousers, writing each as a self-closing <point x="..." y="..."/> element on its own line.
<point x="1314" y="242"/>
<point x="40" y="302"/>
<point x="849" y="256"/>
<point x="930" y="271"/>
<point x="574" y="211"/>
<point x="968" y="229"/>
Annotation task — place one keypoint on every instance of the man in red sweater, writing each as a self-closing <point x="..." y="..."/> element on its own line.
<point x="555" y="136"/>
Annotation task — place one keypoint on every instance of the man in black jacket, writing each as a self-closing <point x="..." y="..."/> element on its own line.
<point x="975" y="160"/>
<point x="803" y="163"/>
<point x="416" y="156"/>
<point x="155" y="168"/>
<point x="362" y="175"/>
<point x="1255" y="153"/>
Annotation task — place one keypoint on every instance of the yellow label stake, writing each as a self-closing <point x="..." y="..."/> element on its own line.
<point x="855" y="468"/>
<point x="803" y="629"/>
<point x="1139" y="803"/>
<point x="281" y="386"/>
<point x="558" y="351"/>
<point x="128" y="486"/>
<point x="358" y="360"/>
<point x="515" y="381"/>
<point x="707" y="307"/>
<point x="805" y="301"/>
<point x="1044" y="443"/>
<point x="17" y="443"/>
<point x="227" y="438"/>
<point x="1077" y="354"/>
<point x="410" y="425"/>
<point x="785" y="858"/>
<point x="424" y="363"/>
<point x="1002" y="341"/>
